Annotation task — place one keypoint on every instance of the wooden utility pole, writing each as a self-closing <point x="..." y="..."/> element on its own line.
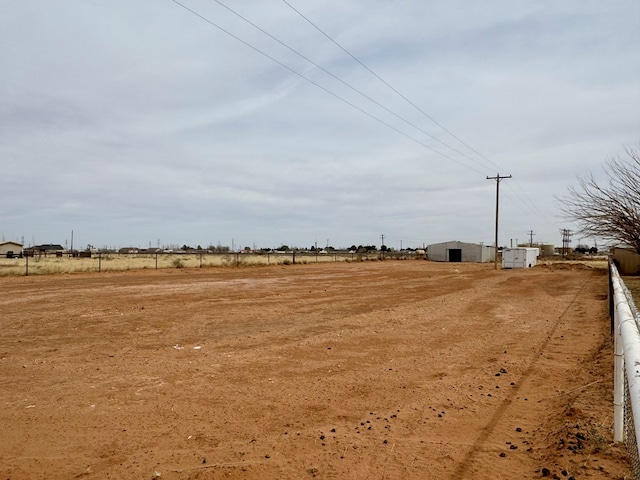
<point x="566" y="240"/>
<point x="531" y="234"/>
<point x="497" y="178"/>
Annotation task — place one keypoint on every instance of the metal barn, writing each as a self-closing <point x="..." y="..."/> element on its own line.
<point x="520" y="257"/>
<point x="456" y="251"/>
<point x="14" y="247"/>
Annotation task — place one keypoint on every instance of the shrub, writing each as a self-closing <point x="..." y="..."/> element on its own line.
<point x="177" y="262"/>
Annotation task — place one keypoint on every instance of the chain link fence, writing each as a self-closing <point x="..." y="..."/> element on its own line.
<point x="625" y="312"/>
<point x="630" y="439"/>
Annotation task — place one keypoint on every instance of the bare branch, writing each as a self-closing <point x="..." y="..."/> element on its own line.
<point x="612" y="211"/>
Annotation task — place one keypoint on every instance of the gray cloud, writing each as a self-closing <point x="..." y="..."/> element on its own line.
<point x="133" y="122"/>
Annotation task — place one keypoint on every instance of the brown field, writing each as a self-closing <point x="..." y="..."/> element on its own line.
<point x="348" y="370"/>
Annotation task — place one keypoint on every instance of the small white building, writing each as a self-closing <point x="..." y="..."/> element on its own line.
<point x="456" y="251"/>
<point x="520" y="257"/>
<point x="14" y="247"/>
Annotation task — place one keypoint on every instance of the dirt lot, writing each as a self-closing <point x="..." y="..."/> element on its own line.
<point x="373" y="370"/>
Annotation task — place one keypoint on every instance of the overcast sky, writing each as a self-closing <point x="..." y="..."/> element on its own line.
<point x="137" y="123"/>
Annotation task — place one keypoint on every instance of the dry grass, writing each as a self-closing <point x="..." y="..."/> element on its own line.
<point x="592" y="262"/>
<point x="633" y="284"/>
<point x="47" y="265"/>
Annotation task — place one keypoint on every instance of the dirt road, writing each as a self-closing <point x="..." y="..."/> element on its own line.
<point x="376" y="370"/>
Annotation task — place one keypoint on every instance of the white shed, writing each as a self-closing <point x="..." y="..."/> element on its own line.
<point x="520" y="257"/>
<point x="456" y="251"/>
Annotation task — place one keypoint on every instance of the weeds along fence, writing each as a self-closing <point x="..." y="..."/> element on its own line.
<point x="626" y="398"/>
<point x="102" y="262"/>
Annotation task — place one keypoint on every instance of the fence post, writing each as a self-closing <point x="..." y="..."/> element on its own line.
<point x="99" y="262"/>
<point x="26" y="265"/>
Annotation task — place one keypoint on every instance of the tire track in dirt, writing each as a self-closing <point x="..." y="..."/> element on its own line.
<point x="463" y="468"/>
<point x="288" y="355"/>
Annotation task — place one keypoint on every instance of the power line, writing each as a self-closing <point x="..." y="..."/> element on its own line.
<point x="388" y="84"/>
<point x="351" y="104"/>
<point x="521" y="196"/>
<point x="326" y="90"/>
<point x="348" y="85"/>
<point x="404" y="97"/>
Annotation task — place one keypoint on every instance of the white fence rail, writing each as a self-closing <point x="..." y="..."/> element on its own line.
<point x="626" y="400"/>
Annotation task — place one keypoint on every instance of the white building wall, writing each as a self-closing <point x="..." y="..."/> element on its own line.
<point x="469" y="252"/>
<point x="14" y="247"/>
<point x="520" y="257"/>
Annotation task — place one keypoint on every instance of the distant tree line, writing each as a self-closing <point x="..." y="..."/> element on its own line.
<point x="225" y="249"/>
<point x="584" y="249"/>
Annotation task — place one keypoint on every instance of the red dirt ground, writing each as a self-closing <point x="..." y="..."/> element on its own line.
<point x="375" y="370"/>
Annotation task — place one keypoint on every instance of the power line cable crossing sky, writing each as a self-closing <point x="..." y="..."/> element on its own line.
<point x="136" y="124"/>
<point x="391" y="87"/>
<point x="354" y="88"/>
<point x="328" y="91"/>
<point x="527" y="203"/>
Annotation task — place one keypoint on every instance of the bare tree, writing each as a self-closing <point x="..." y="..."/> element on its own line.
<point x="611" y="211"/>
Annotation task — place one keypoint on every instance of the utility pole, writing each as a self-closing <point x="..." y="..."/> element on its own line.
<point x="497" y="178"/>
<point x="566" y="240"/>
<point x="531" y="234"/>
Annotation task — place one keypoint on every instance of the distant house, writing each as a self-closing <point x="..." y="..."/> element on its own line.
<point x="456" y="251"/>
<point x="46" y="249"/>
<point x="10" y="249"/>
